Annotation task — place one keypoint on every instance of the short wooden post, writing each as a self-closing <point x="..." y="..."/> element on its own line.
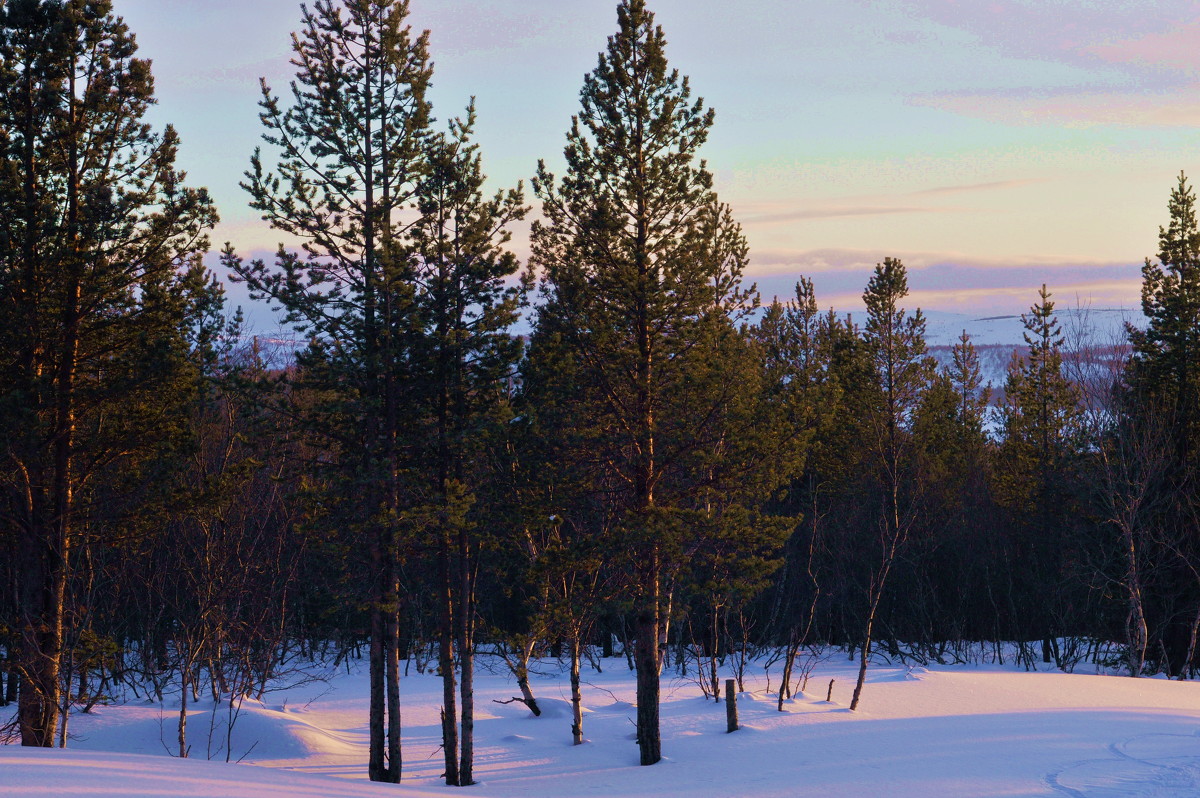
<point x="829" y="695"/>
<point x="731" y="720"/>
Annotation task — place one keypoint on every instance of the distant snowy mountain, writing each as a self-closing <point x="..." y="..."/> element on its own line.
<point x="996" y="338"/>
<point x="1099" y="326"/>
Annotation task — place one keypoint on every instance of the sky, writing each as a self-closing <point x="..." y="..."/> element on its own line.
<point x="992" y="145"/>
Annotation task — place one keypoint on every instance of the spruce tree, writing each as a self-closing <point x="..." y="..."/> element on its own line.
<point x="95" y="221"/>
<point x="642" y="269"/>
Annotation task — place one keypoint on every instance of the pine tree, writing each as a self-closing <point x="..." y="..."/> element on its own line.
<point x="352" y="156"/>
<point x="1151" y="450"/>
<point x="567" y="510"/>
<point x="1165" y="367"/>
<point x="945" y="566"/>
<point x="462" y="358"/>
<point x="966" y="378"/>
<point x="896" y="343"/>
<point x="1041" y="417"/>
<point x="402" y="291"/>
<point x="1041" y="423"/>
<point x="94" y="223"/>
<point x="642" y="270"/>
<point x="796" y="349"/>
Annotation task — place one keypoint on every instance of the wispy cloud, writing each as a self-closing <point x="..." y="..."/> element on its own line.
<point x="1179" y="108"/>
<point x="837" y="212"/>
<point x="798" y="210"/>
<point x="1124" y="62"/>
<point x="836" y="259"/>
<point x="1173" y="49"/>
<point x="1080" y="31"/>
<point x="973" y="187"/>
<point x="1099" y="294"/>
<point x="947" y="281"/>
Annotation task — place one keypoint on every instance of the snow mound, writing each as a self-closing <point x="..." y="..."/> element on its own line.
<point x="921" y="732"/>
<point x="257" y="733"/>
<point x="27" y="773"/>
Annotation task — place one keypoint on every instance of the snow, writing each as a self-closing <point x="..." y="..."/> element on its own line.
<point x="997" y="338"/>
<point x="1098" y="326"/>
<point x="937" y="731"/>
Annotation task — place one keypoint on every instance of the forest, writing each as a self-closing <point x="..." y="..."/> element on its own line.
<point x="614" y="448"/>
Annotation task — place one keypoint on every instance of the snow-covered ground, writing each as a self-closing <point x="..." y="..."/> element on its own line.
<point x="937" y="731"/>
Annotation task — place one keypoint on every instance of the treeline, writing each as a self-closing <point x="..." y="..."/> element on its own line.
<point x="662" y="467"/>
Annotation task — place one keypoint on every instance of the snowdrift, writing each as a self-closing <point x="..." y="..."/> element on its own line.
<point x="937" y="731"/>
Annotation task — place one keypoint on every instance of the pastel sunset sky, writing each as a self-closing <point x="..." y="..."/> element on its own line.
<point x="993" y="145"/>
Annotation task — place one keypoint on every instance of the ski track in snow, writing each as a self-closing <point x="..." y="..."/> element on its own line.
<point x="1144" y="766"/>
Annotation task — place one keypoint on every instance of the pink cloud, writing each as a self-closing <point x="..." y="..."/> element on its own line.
<point x="767" y="261"/>
<point x="1054" y="28"/>
<point x="802" y="209"/>
<point x="949" y="281"/>
<point x="1013" y="300"/>
<point x="1175" y="48"/>
<point x="973" y="187"/>
<point x="1179" y="108"/>
<point x="837" y="212"/>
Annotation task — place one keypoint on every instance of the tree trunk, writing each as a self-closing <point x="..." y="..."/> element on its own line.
<point x="712" y="658"/>
<point x="646" y="655"/>
<point x="446" y="665"/>
<point x="862" y="668"/>
<point x="38" y="653"/>
<point x="68" y="675"/>
<point x="33" y="541"/>
<point x="864" y="656"/>
<point x="576" y="694"/>
<point x="376" y="765"/>
<point x="1191" y="651"/>
<point x="391" y="625"/>
<point x="183" y="699"/>
<point x="466" y="657"/>
<point x="1135" y="620"/>
<point x="522" y="674"/>
<point x="789" y="662"/>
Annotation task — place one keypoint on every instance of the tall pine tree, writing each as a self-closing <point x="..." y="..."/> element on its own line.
<point x="95" y="222"/>
<point x="1154" y="447"/>
<point x="1041" y="424"/>
<point x="642" y="269"/>
<point x="351" y="158"/>
<point x="402" y="289"/>
<point x="1165" y="367"/>
<point x="462" y="357"/>
<point x="896" y="343"/>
